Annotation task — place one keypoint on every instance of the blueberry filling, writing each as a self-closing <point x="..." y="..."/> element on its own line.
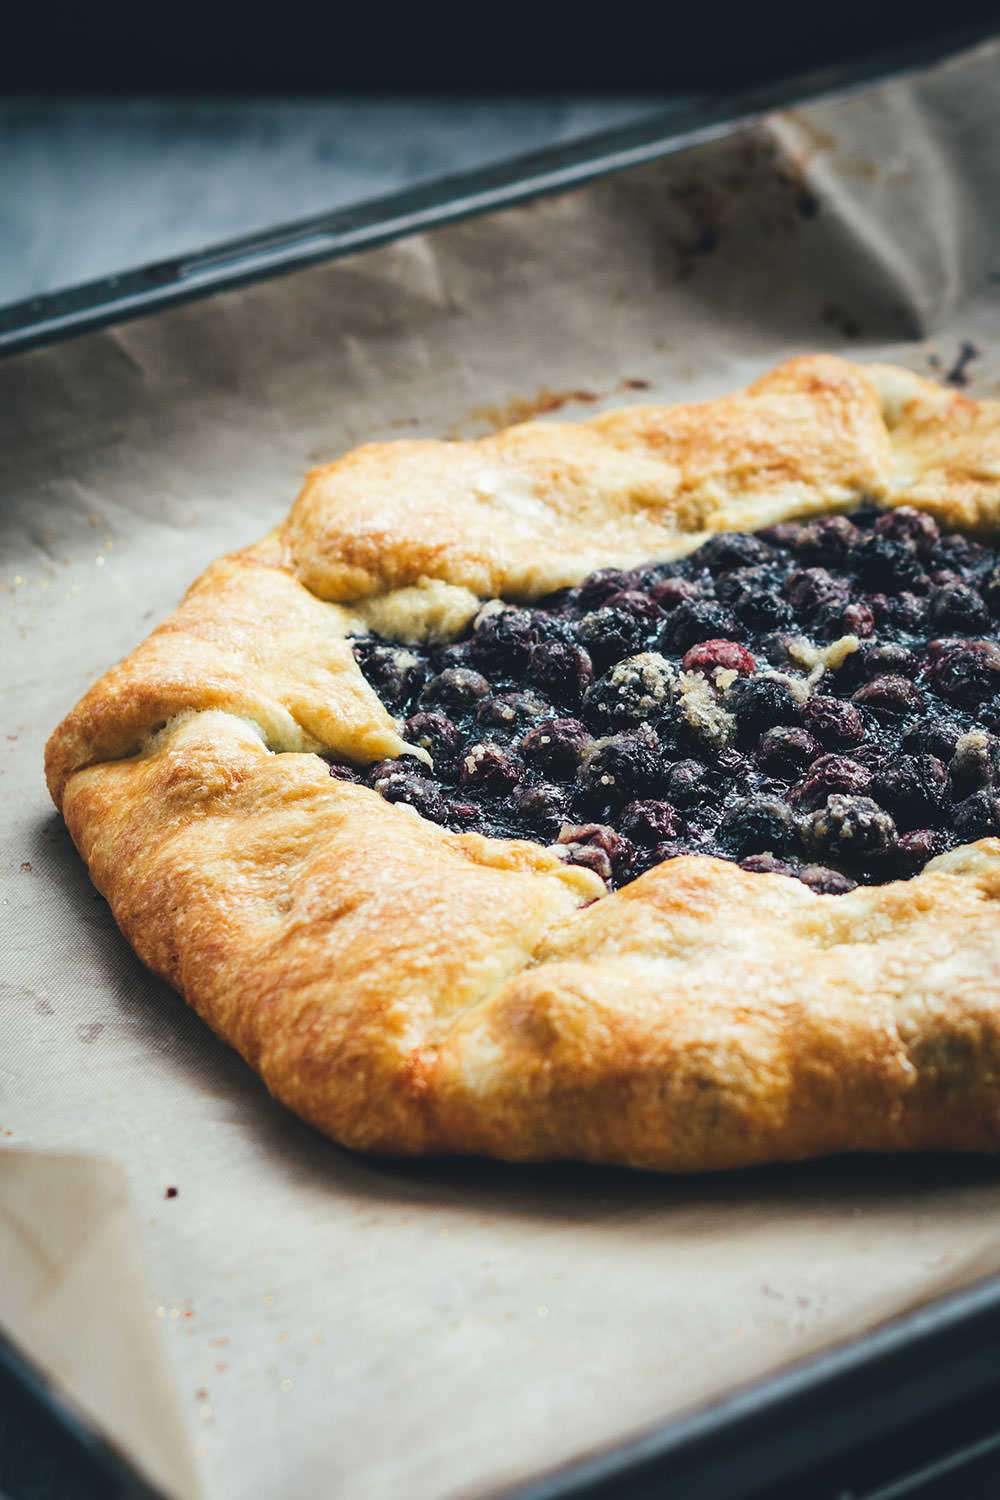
<point x="820" y="700"/>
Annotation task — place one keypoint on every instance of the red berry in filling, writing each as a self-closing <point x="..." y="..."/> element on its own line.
<point x="707" y="656"/>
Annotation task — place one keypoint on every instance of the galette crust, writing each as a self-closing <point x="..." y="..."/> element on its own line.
<point x="407" y="989"/>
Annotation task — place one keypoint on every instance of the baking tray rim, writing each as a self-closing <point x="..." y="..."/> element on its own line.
<point x="805" y="1400"/>
<point x="296" y="245"/>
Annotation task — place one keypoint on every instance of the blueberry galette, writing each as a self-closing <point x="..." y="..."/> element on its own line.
<point x="626" y="791"/>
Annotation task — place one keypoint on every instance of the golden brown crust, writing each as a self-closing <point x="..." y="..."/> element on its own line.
<point x="408" y="989"/>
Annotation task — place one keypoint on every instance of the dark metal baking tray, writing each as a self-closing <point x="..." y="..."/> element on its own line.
<point x="291" y="247"/>
<point x="834" y="1426"/>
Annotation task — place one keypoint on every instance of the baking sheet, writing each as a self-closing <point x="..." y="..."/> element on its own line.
<point x="336" y="1326"/>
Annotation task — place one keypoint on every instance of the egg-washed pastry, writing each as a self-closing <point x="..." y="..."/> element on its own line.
<point x="622" y="791"/>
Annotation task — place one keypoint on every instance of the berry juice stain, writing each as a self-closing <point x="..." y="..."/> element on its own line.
<point x="819" y="700"/>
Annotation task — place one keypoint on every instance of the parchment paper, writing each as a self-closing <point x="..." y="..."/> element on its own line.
<point x="341" y="1327"/>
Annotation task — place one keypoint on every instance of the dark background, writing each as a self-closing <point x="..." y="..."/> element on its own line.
<point x="294" y="46"/>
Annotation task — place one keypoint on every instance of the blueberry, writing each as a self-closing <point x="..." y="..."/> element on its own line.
<point x="696" y="620"/>
<point x="850" y="828"/>
<point x="756" y="824"/>
<point x="762" y="703"/>
<point x="544" y="808"/>
<point x="763" y="609"/>
<point x="811" y="589"/>
<point x="932" y="735"/>
<point x="831" y="773"/>
<point x="886" y="659"/>
<point x="561" y="670"/>
<point x="965" y="672"/>
<point x="674" y="591"/>
<point x="905" y="524"/>
<point x="915" y="848"/>
<point x="648" y="822"/>
<point x="343" y="773"/>
<point x="398" y="785"/>
<point x="396" y="673"/>
<point x="639" y="688"/>
<point x="857" y="618"/>
<point x="958" y="554"/>
<point x="908" y="612"/>
<point x="890" y="697"/>
<point x="614" y="631"/>
<point x="557" y="747"/>
<point x="766" y="864"/>
<point x="623" y="770"/>
<point x="827" y="541"/>
<point x="595" y="846"/>
<point x="598" y="588"/>
<point x="888" y="565"/>
<point x="489" y="769"/>
<point x="732" y="549"/>
<point x="824" y="881"/>
<point x="686" y="782"/>
<point x="914" y="788"/>
<point x="456" y="688"/>
<point x="975" y="763"/>
<point x="835" y="724"/>
<point x="502" y="639"/>
<point x="437" y="735"/>
<point x="509" y="713"/>
<point x="978" y="817"/>
<point x="957" y="609"/>
<point x="786" y="753"/>
<point x="784" y="535"/>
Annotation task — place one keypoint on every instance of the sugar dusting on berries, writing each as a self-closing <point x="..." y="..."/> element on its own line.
<point x="819" y="701"/>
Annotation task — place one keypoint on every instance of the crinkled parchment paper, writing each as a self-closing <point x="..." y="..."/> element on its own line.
<point x="341" y="1327"/>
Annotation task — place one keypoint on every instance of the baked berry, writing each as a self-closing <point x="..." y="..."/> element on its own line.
<point x="561" y="670"/>
<point x="557" y="747"/>
<point x="783" y="536"/>
<point x="786" y="753"/>
<point x="437" y="734"/>
<point x="827" y="541"/>
<point x="830" y="774"/>
<point x="674" y="591"/>
<point x="687" y="782"/>
<point x="809" y="590"/>
<point x="418" y="791"/>
<point x="509" y="713"/>
<point x="766" y="864"/>
<point x="914" y="788"/>
<point x="849" y="828"/>
<point x="762" y="609"/>
<point x="762" y="703"/>
<point x="932" y="735"/>
<point x="711" y="656"/>
<point x="502" y="639"/>
<point x="990" y="590"/>
<point x="598" y="588"/>
<point x="888" y="659"/>
<point x="732" y="549"/>
<point x="544" y="808"/>
<point x="957" y="609"/>
<point x="649" y="822"/>
<point x="857" y="618"/>
<point x="958" y="554"/>
<point x="396" y="673"/>
<point x="906" y="612"/>
<point x="635" y="691"/>
<point x="488" y="768"/>
<point x="978" y="817"/>
<point x="887" y="565"/>
<point x="890" y="697"/>
<point x="342" y="773"/>
<point x="457" y="688"/>
<point x="695" y="620"/>
<point x="623" y="770"/>
<point x="905" y="524"/>
<point x="836" y="725"/>
<point x="616" y="630"/>
<point x="824" y="881"/>
<point x="756" y="824"/>
<point x="915" y="848"/>
<point x="596" y="846"/>
<point x="967" y="673"/>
